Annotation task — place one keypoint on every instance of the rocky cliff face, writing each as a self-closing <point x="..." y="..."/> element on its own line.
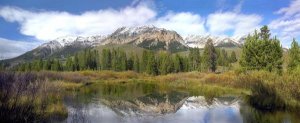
<point x="148" y="37"/>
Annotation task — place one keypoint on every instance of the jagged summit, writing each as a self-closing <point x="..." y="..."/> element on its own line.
<point x="70" y="40"/>
<point x="149" y="37"/>
<point x="219" y="41"/>
<point x="137" y="30"/>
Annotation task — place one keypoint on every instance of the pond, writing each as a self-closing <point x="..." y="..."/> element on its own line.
<point x="150" y="103"/>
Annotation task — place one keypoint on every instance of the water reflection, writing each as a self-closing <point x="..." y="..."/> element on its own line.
<point x="147" y="103"/>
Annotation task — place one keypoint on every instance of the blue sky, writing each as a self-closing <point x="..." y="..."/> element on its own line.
<point x="26" y="24"/>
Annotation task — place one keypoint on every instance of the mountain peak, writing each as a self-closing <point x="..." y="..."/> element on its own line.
<point x="149" y="37"/>
<point x="221" y="41"/>
<point x="138" y="30"/>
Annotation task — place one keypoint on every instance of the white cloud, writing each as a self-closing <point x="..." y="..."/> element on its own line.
<point x="11" y="48"/>
<point x="46" y="25"/>
<point x="184" y="23"/>
<point x="291" y="10"/>
<point x="287" y="26"/>
<point x="221" y="22"/>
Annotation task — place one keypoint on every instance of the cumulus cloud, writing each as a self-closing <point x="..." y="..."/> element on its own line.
<point x="287" y="26"/>
<point x="221" y="22"/>
<point x="47" y="25"/>
<point x="184" y="23"/>
<point x="11" y="48"/>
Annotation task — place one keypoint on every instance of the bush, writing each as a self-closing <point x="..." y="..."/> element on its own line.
<point x="25" y="97"/>
<point x="265" y="97"/>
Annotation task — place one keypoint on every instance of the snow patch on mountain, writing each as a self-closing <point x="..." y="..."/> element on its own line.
<point x="70" y="40"/>
<point x="200" y="40"/>
<point x="138" y="30"/>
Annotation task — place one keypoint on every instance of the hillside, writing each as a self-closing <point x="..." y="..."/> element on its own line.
<point x="131" y="39"/>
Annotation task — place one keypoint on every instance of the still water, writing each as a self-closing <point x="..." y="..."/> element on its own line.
<point x="150" y="103"/>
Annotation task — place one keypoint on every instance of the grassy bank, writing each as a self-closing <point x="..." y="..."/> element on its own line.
<point x="37" y="96"/>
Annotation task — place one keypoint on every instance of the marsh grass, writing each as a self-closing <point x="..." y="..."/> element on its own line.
<point x="33" y="96"/>
<point x="267" y="91"/>
<point x="25" y="98"/>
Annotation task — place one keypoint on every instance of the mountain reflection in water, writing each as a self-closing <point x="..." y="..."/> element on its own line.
<point x="158" y="108"/>
<point x="146" y="103"/>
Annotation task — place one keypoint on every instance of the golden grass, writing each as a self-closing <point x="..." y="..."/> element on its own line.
<point x="285" y="86"/>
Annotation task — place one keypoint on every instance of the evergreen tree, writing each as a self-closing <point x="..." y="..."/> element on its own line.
<point x="220" y="57"/>
<point x="166" y="65"/>
<point x="210" y="56"/>
<point x="151" y="67"/>
<point x="225" y="58"/>
<point x="186" y="65"/>
<point x="195" y="60"/>
<point x="56" y="66"/>
<point x="233" y="57"/>
<point x="144" y="62"/>
<point x="136" y="64"/>
<point x="294" y="56"/>
<point x="261" y="52"/>
<point x="130" y="62"/>
<point x="47" y="65"/>
<point x="76" y="63"/>
<point x="106" y="59"/>
<point x="123" y="60"/>
<point x="178" y="64"/>
<point x="70" y="64"/>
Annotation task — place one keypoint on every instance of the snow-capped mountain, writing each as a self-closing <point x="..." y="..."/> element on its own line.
<point x="72" y="40"/>
<point x="219" y="41"/>
<point x="149" y="37"/>
<point x="59" y="47"/>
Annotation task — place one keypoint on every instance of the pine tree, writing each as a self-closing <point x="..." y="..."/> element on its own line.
<point x="136" y="64"/>
<point x="225" y="58"/>
<point x="220" y="57"/>
<point x="233" y="57"/>
<point x="186" y="65"/>
<point x="69" y="64"/>
<point x="166" y="65"/>
<point x="151" y="67"/>
<point x="130" y="62"/>
<point x="178" y="64"/>
<point x="261" y="52"/>
<point x="144" y="61"/>
<point x="210" y="56"/>
<point x="294" y="56"/>
<point x="56" y="66"/>
<point x="123" y="61"/>
<point x="47" y="65"/>
<point x="195" y="59"/>
<point x="76" y="63"/>
<point x="106" y="59"/>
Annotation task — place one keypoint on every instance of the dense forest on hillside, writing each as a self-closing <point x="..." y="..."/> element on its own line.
<point x="260" y="51"/>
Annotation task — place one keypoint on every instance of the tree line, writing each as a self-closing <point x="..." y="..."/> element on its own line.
<point x="259" y="52"/>
<point x="154" y="63"/>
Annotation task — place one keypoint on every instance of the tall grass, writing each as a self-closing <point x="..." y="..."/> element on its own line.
<point x="32" y="96"/>
<point x="25" y="98"/>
